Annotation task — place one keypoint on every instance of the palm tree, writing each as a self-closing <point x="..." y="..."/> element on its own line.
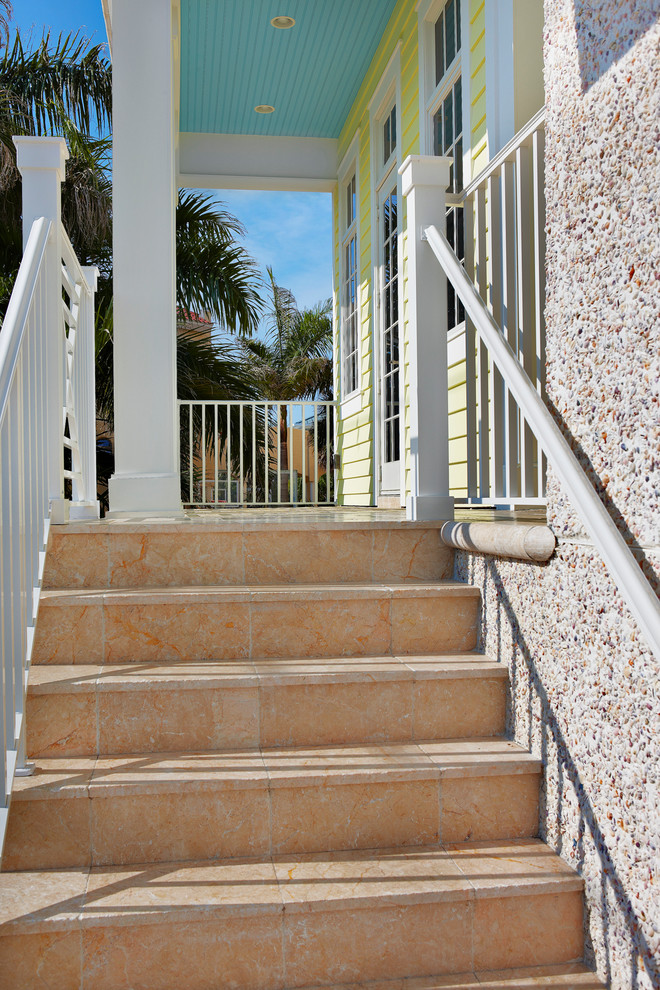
<point x="295" y="359"/>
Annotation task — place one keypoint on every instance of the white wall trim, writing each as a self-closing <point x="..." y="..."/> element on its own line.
<point x="249" y="161"/>
<point x="350" y="164"/>
<point x="387" y="88"/>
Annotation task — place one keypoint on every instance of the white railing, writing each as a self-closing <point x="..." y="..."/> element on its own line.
<point x="46" y="414"/>
<point x="618" y="557"/>
<point x="79" y="415"/>
<point x="24" y="505"/>
<point x="505" y="258"/>
<point x="238" y="453"/>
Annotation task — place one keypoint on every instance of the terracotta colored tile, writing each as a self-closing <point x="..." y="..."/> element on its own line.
<point x="46" y="961"/>
<point x="411" y="555"/>
<point x="331" y="670"/>
<point x="529" y="863"/>
<point x="493" y="807"/>
<point x="314" y="556"/>
<point x="159" y="633"/>
<point x="335" y="713"/>
<point x="433" y="624"/>
<point x="320" y="628"/>
<point x="175" y="559"/>
<point x="64" y="679"/>
<point x="195" y="955"/>
<point x="566" y="976"/>
<point x="479" y="756"/>
<point x="528" y="930"/>
<point x="348" y="764"/>
<point x="32" y="902"/>
<point x="371" y="944"/>
<point x="451" y="709"/>
<point x="61" y="724"/>
<point x="309" y="882"/>
<point x="354" y="816"/>
<point x="128" y="895"/>
<point x="76" y="560"/>
<point x="167" y="720"/>
<point x="180" y="826"/>
<point x="69" y="634"/>
<point x="168" y="773"/>
<point x="43" y="835"/>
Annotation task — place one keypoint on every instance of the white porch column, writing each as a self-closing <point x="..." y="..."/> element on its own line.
<point x="41" y="162"/>
<point x="424" y="182"/>
<point x="146" y="478"/>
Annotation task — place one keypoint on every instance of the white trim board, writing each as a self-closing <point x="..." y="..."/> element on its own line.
<point x="248" y="161"/>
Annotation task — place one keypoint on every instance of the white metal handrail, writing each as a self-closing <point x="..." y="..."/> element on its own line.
<point x="618" y="557"/>
<point x="504" y="220"/>
<point x="257" y="453"/>
<point x="24" y="503"/>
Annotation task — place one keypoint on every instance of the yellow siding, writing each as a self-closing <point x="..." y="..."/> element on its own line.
<point x="356" y="434"/>
<point x="479" y="141"/>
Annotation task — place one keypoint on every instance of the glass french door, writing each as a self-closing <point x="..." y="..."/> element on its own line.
<point x="390" y="384"/>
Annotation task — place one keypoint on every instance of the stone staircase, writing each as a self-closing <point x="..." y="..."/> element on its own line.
<point x="268" y="757"/>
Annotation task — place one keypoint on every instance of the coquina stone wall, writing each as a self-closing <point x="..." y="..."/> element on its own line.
<point x="585" y="689"/>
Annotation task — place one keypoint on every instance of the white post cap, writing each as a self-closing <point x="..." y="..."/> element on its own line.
<point x="41" y="153"/>
<point x="424" y="170"/>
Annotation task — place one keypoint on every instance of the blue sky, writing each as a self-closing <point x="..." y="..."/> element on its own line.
<point x="292" y="232"/>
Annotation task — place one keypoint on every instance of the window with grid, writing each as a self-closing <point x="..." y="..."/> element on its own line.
<point x="350" y="348"/>
<point x="448" y="131"/>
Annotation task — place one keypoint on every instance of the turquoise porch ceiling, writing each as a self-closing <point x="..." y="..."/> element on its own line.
<point x="232" y="60"/>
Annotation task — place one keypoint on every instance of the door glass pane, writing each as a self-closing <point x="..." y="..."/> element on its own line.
<point x="390" y="330"/>
<point x="439" y="48"/>
<point x="450" y="29"/>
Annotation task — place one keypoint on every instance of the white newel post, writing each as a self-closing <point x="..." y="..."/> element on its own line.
<point x="146" y="477"/>
<point x="424" y="183"/>
<point x="41" y="162"/>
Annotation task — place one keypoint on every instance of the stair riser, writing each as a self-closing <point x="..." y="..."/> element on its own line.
<point x="258" y="821"/>
<point x="243" y="717"/>
<point x="129" y="560"/>
<point x="159" y="633"/>
<point x="269" y="950"/>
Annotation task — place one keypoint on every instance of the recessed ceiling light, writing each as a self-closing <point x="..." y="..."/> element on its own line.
<point x="265" y="108"/>
<point x="283" y="22"/>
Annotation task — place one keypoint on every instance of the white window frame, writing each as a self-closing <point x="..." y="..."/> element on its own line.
<point x="386" y="94"/>
<point x="351" y="402"/>
<point x="431" y="94"/>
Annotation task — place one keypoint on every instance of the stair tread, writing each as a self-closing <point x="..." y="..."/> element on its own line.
<point x="311" y="882"/>
<point x="203" y="594"/>
<point x="87" y="678"/>
<point x="109" y="776"/>
<point x="565" y="976"/>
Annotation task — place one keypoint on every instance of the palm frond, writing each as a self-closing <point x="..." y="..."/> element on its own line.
<point x="60" y="79"/>
<point x="214" y="274"/>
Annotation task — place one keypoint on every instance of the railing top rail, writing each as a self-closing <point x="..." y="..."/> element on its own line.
<point x="597" y="521"/>
<point x="506" y="154"/>
<point x="71" y="261"/>
<point x="257" y="402"/>
<point x="15" y="320"/>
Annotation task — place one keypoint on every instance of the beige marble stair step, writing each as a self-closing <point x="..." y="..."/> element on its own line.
<point x="568" y="976"/>
<point x="217" y="623"/>
<point x="123" y="555"/>
<point x="292" y="921"/>
<point x="85" y="710"/>
<point x="155" y="808"/>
